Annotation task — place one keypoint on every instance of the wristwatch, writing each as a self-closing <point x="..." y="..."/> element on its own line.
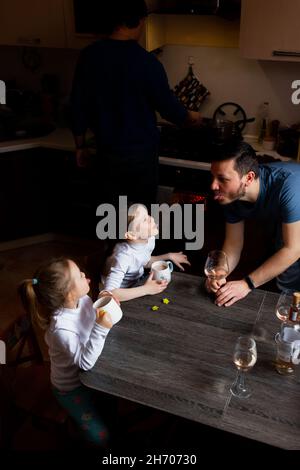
<point x="249" y="282"/>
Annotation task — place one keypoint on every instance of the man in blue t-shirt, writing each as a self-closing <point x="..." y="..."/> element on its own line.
<point x="268" y="194"/>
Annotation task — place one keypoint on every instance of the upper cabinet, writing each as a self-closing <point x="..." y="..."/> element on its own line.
<point x="270" y="30"/>
<point x="153" y="35"/>
<point x="32" y="23"/>
<point x="54" y="23"/>
<point x="75" y="40"/>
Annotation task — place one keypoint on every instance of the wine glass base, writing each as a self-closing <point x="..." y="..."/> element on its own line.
<point x="240" y="392"/>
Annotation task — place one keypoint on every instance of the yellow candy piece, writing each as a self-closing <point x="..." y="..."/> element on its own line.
<point x="154" y="308"/>
<point x="166" y="301"/>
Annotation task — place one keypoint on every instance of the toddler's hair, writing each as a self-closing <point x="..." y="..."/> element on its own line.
<point x="47" y="291"/>
<point x="132" y="213"/>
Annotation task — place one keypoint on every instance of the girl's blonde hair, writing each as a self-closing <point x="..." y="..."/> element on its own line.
<point x="47" y="291"/>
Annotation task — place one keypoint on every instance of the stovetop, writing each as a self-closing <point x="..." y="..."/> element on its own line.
<point x="186" y="143"/>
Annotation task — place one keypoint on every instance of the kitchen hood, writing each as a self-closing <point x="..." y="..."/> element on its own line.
<point x="226" y="8"/>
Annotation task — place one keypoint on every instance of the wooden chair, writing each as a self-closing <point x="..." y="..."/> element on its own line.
<point x="25" y="378"/>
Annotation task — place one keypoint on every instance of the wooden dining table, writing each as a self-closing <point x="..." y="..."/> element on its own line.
<point x="178" y="359"/>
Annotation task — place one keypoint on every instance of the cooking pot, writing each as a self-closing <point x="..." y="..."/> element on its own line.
<point x="225" y="129"/>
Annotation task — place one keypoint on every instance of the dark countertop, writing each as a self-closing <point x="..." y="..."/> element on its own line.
<point x="179" y="359"/>
<point x="62" y="139"/>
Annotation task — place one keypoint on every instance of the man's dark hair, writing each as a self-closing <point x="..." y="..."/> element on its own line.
<point x="116" y="13"/>
<point x="243" y="154"/>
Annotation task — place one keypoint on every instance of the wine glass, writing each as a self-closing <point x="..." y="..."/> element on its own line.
<point x="244" y="358"/>
<point x="283" y="306"/>
<point x="216" y="265"/>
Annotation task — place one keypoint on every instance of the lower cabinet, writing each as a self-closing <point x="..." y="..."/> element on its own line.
<point x="42" y="190"/>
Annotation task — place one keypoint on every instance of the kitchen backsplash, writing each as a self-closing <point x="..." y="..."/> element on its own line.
<point x="229" y="77"/>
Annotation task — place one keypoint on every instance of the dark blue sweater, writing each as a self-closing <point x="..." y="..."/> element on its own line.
<point x="117" y="88"/>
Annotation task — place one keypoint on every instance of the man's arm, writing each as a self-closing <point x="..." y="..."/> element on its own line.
<point x="233" y="243"/>
<point x="272" y="267"/>
<point x="165" y="100"/>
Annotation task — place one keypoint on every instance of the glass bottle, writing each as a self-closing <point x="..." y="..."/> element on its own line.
<point x="288" y="340"/>
<point x="294" y="314"/>
<point x="264" y="122"/>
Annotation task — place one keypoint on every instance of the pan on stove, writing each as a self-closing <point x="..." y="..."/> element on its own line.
<point x="224" y="128"/>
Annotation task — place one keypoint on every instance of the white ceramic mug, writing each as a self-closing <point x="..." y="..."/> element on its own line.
<point x="162" y="270"/>
<point x="109" y="305"/>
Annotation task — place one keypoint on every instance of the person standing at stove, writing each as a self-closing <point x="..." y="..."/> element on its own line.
<point x="267" y="194"/>
<point x="117" y="88"/>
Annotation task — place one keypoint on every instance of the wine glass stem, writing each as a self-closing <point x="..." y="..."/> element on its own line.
<point x="240" y="380"/>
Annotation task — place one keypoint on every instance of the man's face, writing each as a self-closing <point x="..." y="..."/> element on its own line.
<point x="227" y="185"/>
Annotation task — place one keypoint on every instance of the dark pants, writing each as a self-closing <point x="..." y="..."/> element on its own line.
<point x="134" y="176"/>
<point x="79" y="404"/>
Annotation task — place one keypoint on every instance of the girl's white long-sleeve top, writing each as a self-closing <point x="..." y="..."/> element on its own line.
<point x="126" y="265"/>
<point x="75" y="342"/>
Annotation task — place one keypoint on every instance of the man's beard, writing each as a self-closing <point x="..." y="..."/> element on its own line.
<point x="234" y="196"/>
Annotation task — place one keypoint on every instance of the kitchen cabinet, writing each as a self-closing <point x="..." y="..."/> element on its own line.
<point x="75" y="40"/>
<point x="153" y="35"/>
<point x="31" y="192"/>
<point x="32" y="23"/>
<point x="270" y="30"/>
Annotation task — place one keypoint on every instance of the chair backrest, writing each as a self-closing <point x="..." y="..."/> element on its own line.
<point x="26" y="376"/>
<point x="20" y="343"/>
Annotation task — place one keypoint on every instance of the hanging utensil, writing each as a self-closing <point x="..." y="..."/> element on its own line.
<point x="190" y="91"/>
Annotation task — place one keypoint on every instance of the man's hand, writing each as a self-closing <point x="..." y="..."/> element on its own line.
<point x="193" y="119"/>
<point x="178" y="259"/>
<point x="211" y="285"/>
<point x="82" y="158"/>
<point x="231" y="292"/>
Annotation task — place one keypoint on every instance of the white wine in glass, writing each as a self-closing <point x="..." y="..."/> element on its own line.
<point x="283" y="306"/>
<point x="244" y="358"/>
<point x="216" y="265"/>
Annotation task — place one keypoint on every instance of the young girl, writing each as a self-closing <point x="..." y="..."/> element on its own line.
<point x="57" y="301"/>
<point x="125" y="267"/>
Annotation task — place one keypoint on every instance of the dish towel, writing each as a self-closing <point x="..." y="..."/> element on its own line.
<point x="191" y="92"/>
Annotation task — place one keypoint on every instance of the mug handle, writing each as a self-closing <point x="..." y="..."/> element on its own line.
<point x="296" y="355"/>
<point x="171" y="267"/>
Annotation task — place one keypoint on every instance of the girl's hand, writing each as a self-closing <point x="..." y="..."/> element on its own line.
<point x="103" y="318"/>
<point x="178" y="259"/>
<point x="106" y="293"/>
<point x="153" y="287"/>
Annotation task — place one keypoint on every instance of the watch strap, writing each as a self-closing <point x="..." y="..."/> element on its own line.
<point x="249" y="282"/>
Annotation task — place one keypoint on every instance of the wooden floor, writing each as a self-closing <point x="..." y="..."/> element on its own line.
<point x="20" y="263"/>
